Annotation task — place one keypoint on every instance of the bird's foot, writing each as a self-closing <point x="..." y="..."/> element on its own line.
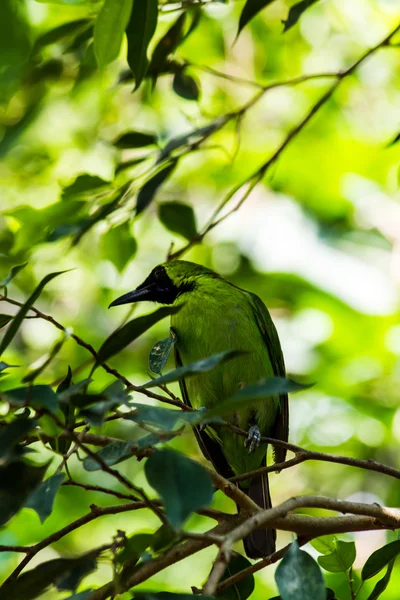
<point x="253" y="439"/>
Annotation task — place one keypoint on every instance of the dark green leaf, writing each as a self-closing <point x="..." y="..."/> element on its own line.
<point x="19" y="317"/>
<point x="119" y="245"/>
<point x="4" y="319"/>
<point x="60" y="32"/>
<point x="185" y="86"/>
<point x="166" y="46"/>
<point x="10" y="435"/>
<point x="13" y="272"/>
<point x="178" y="218"/>
<point x="200" y="366"/>
<point x="15" y="46"/>
<point x="166" y="418"/>
<point x="196" y="135"/>
<point x="42" y="498"/>
<point x="69" y="389"/>
<point x="243" y="588"/>
<point x="37" y="396"/>
<point x="80" y="596"/>
<point x="66" y="382"/>
<point x="298" y="576"/>
<point x="109" y="30"/>
<point x="341" y="559"/>
<point x="139" y="31"/>
<point x="17" y="480"/>
<point x="382" y="584"/>
<point x="258" y="392"/>
<point x="379" y="559"/>
<point x="150" y="188"/>
<point x="183" y="484"/>
<point x="135" y="546"/>
<point x="126" y="334"/>
<point x="250" y="9"/>
<point x="160" y="352"/>
<point x="96" y="413"/>
<point x="295" y="13"/>
<point x="135" y="139"/>
<point x="4" y="366"/>
<point x="330" y="594"/>
<point x="83" y="184"/>
<point x="64" y="573"/>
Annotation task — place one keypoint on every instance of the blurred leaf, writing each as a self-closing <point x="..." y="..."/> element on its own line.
<point x="243" y="588"/>
<point x="81" y="595"/>
<point x="70" y="389"/>
<point x="13" y="272"/>
<point x="37" y="396"/>
<point x="185" y="86"/>
<point x="298" y="576"/>
<point x="295" y="13"/>
<point x="163" y="538"/>
<point x="64" y="573"/>
<point x="341" y="559"/>
<point x="135" y="139"/>
<point x="42" y="498"/>
<point x="15" y="46"/>
<point x="183" y="484"/>
<point x="200" y="366"/>
<point x="330" y="594"/>
<point x="394" y="140"/>
<point x="19" y="317"/>
<point x="178" y="218"/>
<point x="134" y="547"/>
<point x="82" y="184"/>
<point x="193" y="136"/>
<point x="60" y="32"/>
<point x="10" y="435"/>
<point x="166" y="596"/>
<point x="250" y="9"/>
<point x="272" y="386"/>
<point x="150" y="188"/>
<point x="379" y="559"/>
<point x="4" y="319"/>
<point x="119" y="245"/>
<point x="129" y="332"/>
<point x="44" y="362"/>
<point x="17" y="480"/>
<point x="4" y="366"/>
<point x="139" y="31"/>
<point x="382" y="584"/>
<point x="160" y="352"/>
<point x="130" y="163"/>
<point x="166" y="46"/>
<point x="324" y="544"/>
<point x="109" y="29"/>
<point x="167" y="418"/>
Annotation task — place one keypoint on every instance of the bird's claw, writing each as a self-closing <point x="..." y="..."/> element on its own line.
<point x="253" y="439"/>
<point x="201" y="426"/>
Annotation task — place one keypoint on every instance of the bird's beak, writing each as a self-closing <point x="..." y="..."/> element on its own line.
<point x="141" y="293"/>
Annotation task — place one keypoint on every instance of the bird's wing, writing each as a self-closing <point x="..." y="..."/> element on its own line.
<point x="266" y="326"/>
<point x="209" y="446"/>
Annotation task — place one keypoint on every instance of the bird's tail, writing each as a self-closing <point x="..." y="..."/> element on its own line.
<point x="261" y="542"/>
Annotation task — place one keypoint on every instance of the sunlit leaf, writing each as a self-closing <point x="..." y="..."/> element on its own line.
<point x="150" y="188"/>
<point x="135" y="139"/>
<point x="178" y="218"/>
<point x="243" y="588"/>
<point x="298" y="576"/>
<point x="42" y="498"/>
<point x="139" y="31"/>
<point x="109" y="29"/>
<point x="129" y="332"/>
<point x="185" y="86"/>
<point x="183" y="484"/>
<point x="325" y="544"/>
<point x="295" y="13"/>
<point x="119" y="246"/>
<point x="13" y="272"/>
<point x="341" y="559"/>
<point x="19" y="317"/>
<point x="160" y="352"/>
<point x="250" y="9"/>
<point x="379" y="559"/>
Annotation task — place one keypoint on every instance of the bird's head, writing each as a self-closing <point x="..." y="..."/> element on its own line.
<point x="167" y="282"/>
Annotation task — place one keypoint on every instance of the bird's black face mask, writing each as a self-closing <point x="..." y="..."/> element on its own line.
<point x="157" y="287"/>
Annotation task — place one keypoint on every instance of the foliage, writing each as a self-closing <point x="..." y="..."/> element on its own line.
<point x="259" y="138"/>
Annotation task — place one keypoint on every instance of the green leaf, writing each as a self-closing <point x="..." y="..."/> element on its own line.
<point x="341" y="559"/>
<point x="164" y="538"/>
<point x="69" y="389"/>
<point x="167" y="596"/>
<point x="324" y="544"/>
<point x="81" y="595"/>
<point x="382" y="584"/>
<point x="19" y="317"/>
<point x="17" y="480"/>
<point x="160" y="352"/>
<point x="183" y="484"/>
<point x="167" y="418"/>
<point x="265" y="388"/>
<point x="243" y="588"/>
<point x="134" y="547"/>
<point x="200" y="366"/>
<point x="298" y="576"/>
<point x="10" y="435"/>
<point x="60" y="32"/>
<point x="295" y="13"/>
<point x="150" y="188"/>
<point x="135" y="139"/>
<point x="379" y="559"/>
<point x="250" y="9"/>
<point x="44" y="361"/>
<point x="166" y="46"/>
<point x="193" y="136"/>
<point x="109" y="29"/>
<point x="13" y="272"/>
<point x="185" y="86"/>
<point x="83" y="184"/>
<point x="42" y="498"/>
<point x="4" y="366"/>
<point x="178" y="218"/>
<point x="129" y="332"/>
<point x="64" y="573"/>
<point x="4" y="319"/>
<point x="139" y="31"/>
<point x="15" y="46"/>
<point x="37" y="396"/>
<point x="119" y="246"/>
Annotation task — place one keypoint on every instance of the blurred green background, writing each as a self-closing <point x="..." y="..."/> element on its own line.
<point x="318" y="240"/>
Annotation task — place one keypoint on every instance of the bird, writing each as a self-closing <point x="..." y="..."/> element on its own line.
<point x="216" y="315"/>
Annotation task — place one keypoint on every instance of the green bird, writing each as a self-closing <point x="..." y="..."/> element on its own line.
<point x="215" y="316"/>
